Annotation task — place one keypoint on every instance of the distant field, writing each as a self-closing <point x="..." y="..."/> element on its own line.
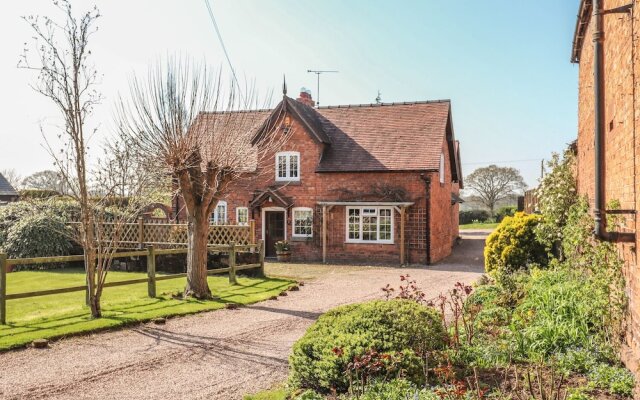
<point x="480" y="225"/>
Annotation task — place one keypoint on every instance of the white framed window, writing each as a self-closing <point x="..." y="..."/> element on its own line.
<point x="219" y="215"/>
<point x="369" y="225"/>
<point x="242" y="216"/>
<point x="302" y="222"/>
<point x="288" y="166"/>
<point x="441" y="170"/>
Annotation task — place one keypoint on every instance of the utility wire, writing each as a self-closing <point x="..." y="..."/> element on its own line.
<point x="502" y="162"/>
<point x="224" y="49"/>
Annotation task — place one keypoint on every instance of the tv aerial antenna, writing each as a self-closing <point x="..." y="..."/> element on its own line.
<point x="318" y="73"/>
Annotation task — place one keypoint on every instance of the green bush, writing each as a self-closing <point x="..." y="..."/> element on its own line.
<point x="513" y="245"/>
<point x="616" y="380"/>
<point x="506" y="211"/>
<point x="469" y="217"/>
<point x="38" y="235"/>
<point x="38" y="194"/>
<point x="395" y="326"/>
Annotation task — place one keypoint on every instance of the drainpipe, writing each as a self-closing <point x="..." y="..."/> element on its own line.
<point x="600" y="210"/>
<point x="427" y="181"/>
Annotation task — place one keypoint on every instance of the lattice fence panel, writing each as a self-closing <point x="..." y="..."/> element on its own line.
<point x="168" y="235"/>
<point x="225" y="234"/>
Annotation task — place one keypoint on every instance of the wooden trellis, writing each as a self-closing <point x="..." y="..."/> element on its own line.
<point x="142" y="234"/>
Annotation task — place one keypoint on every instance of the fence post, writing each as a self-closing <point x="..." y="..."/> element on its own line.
<point x="232" y="263"/>
<point x="3" y="288"/>
<point x="261" y="250"/>
<point x="151" y="271"/>
<point x="141" y="232"/>
<point x="252" y="232"/>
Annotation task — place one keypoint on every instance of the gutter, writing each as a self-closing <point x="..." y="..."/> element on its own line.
<point x="427" y="181"/>
<point x="600" y="211"/>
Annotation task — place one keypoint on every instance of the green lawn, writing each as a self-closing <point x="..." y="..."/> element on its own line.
<point x="480" y="225"/>
<point x="59" y="315"/>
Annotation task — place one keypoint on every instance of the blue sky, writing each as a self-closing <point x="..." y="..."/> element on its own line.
<point x="504" y="64"/>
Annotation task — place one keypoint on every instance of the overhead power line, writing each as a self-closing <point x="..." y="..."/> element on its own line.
<point x="503" y="161"/>
<point x="224" y="49"/>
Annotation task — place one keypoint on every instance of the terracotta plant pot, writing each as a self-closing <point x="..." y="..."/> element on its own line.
<point x="283" y="256"/>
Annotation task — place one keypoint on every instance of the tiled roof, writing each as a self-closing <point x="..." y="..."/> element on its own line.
<point x="5" y="187"/>
<point x="365" y="137"/>
<point x="384" y="137"/>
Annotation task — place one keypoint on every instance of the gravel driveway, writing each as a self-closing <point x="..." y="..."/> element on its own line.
<point x="216" y="355"/>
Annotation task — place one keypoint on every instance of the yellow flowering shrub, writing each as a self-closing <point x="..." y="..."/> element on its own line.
<point x="514" y="245"/>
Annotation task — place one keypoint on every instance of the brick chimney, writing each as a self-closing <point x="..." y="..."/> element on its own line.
<point x="305" y="97"/>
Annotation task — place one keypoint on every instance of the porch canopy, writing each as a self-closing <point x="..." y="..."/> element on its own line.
<point x="400" y="207"/>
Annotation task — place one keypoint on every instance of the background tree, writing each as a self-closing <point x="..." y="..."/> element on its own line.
<point x="61" y="57"/>
<point x="492" y="184"/>
<point x="13" y="177"/>
<point x="203" y="151"/>
<point x="45" y="180"/>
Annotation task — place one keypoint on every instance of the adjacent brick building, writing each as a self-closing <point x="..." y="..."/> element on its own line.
<point x="619" y="113"/>
<point x="374" y="182"/>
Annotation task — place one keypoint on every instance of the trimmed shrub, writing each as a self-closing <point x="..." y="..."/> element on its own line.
<point x="38" y="194"/>
<point x="37" y="236"/>
<point x="320" y="358"/>
<point x="514" y="246"/>
<point x="469" y="217"/>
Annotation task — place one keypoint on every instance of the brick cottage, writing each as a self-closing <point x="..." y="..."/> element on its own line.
<point x="374" y="182"/>
<point x="608" y="150"/>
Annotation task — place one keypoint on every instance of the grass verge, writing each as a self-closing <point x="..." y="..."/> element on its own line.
<point x="60" y="315"/>
<point x="480" y="225"/>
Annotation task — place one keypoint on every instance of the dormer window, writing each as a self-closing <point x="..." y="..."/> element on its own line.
<point x="288" y="166"/>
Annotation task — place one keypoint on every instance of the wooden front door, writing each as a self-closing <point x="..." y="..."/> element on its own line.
<point x="273" y="231"/>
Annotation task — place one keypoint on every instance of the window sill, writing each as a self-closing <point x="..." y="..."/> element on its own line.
<point x="288" y="182"/>
<point x="301" y="238"/>
<point x="366" y="242"/>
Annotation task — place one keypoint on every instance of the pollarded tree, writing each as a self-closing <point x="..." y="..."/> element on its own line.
<point x="180" y="119"/>
<point x="492" y="184"/>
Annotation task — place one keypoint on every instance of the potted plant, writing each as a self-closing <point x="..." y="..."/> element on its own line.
<point x="283" y="251"/>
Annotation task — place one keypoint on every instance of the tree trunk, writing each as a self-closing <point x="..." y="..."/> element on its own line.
<point x="197" y="239"/>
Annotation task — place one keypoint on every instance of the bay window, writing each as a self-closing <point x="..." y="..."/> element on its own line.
<point x="369" y="225"/>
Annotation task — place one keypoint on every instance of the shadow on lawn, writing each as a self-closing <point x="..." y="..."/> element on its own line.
<point x="119" y="315"/>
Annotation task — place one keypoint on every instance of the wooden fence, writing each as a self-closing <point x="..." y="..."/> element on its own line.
<point x="144" y="233"/>
<point x="150" y="253"/>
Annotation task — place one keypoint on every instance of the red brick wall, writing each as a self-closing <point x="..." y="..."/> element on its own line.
<point x="622" y="150"/>
<point x="314" y="187"/>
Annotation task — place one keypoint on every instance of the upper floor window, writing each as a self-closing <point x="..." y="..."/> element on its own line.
<point x="219" y="215"/>
<point x="302" y="222"/>
<point x="288" y="166"/>
<point x="242" y="216"/>
<point x="442" y="168"/>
